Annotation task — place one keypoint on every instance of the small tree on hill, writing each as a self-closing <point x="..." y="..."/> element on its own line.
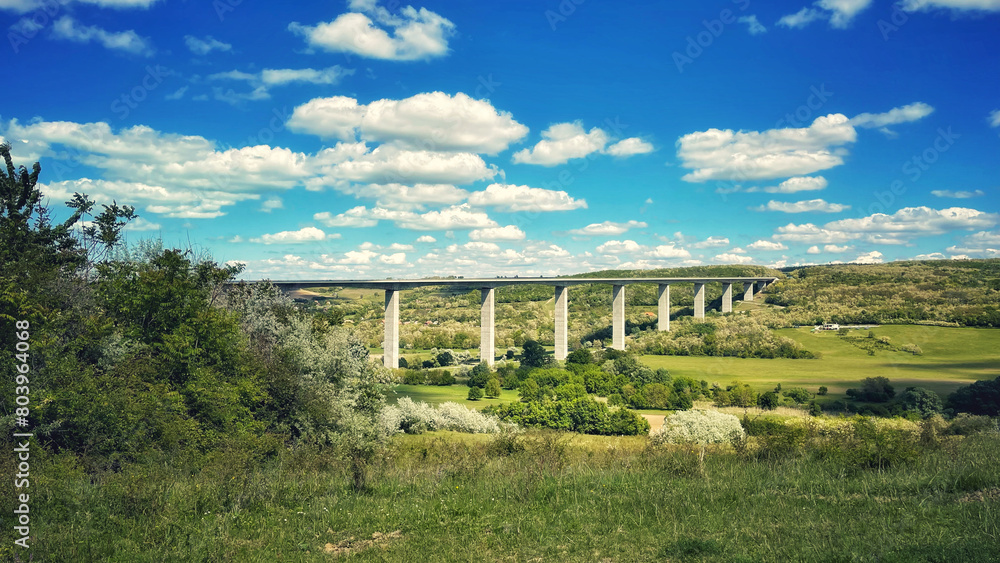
<point x="873" y="390"/>
<point x="493" y="388"/>
<point x="475" y="393"/>
<point x="533" y="355"/>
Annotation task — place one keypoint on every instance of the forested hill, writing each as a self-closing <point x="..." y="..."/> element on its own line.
<point x="964" y="292"/>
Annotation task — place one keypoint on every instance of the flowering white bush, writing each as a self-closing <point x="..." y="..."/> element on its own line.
<point x="698" y="427"/>
<point x="414" y="418"/>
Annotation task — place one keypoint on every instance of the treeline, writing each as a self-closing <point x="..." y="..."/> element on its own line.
<point x="742" y="336"/>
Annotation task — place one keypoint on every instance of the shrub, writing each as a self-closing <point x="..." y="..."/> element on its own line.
<point x="768" y="401"/>
<point x="981" y="397"/>
<point x="965" y="424"/>
<point x="479" y="375"/>
<point x="403" y="363"/>
<point x="475" y="393"/>
<point x="797" y="394"/>
<point x="445" y="358"/>
<point x="534" y="355"/>
<point x="493" y="387"/>
<point x="922" y="401"/>
<point x="580" y="356"/>
<point x="815" y="409"/>
<point x="414" y="377"/>
<point x="822" y="390"/>
<point x="873" y="390"/>
<point x="698" y="427"/>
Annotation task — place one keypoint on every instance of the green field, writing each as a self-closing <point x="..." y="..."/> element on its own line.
<point x="951" y="357"/>
<point x="436" y="394"/>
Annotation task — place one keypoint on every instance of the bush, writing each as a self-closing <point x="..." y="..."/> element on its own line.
<point x="698" y="427"/>
<point x="982" y="398"/>
<point x="414" y="377"/>
<point x="440" y="377"/>
<point x="966" y="424"/>
<point x="798" y="394"/>
<point x="445" y="358"/>
<point x="815" y="409"/>
<point x="479" y="375"/>
<point x="580" y="356"/>
<point x="822" y="390"/>
<point x="534" y="355"/>
<point x="922" y="401"/>
<point x="475" y="393"/>
<point x="768" y="401"/>
<point x="493" y="388"/>
<point x="873" y="390"/>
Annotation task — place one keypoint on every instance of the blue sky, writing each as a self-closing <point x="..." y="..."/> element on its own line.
<point x="372" y="139"/>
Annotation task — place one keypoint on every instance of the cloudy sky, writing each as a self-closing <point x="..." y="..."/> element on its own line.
<point x="372" y="139"/>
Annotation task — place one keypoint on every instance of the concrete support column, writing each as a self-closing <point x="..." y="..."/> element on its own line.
<point x="748" y="291"/>
<point x="486" y="331"/>
<point x="727" y="297"/>
<point x="618" y="317"/>
<point x="699" y="301"/>
<point x="562" y="329"/>
<point x="761" y="286"/>
<point x="390" y="346"/>
<point x="663" y="308"/>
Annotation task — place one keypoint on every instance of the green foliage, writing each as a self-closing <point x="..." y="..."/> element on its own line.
<point x="581" y="414"/>
<point x="580" y="356"/>
<point x="768" y="401"/>
<point x="533" y="355"/>
<point x="922" y="401"/>
<point x="981" y="397"/>
<point x="822" y="390"/>
<point x="492" y="388"/>
<point x="440" y="377"/>
<point x="740" y="336"/>
<point x="797" y="394"/>
<point x="815" y="409"/>
<point x="475" y="393"/>
<point x="479" y="375"/>
<point x="873" y="390"/>
<point x="445" y="358"/>
<point x="698" y="427"/>
<point x="414" y="377"/>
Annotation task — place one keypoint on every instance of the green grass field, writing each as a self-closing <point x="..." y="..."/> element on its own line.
<point x="951" y="357"/>
<point x="435" y="394"/>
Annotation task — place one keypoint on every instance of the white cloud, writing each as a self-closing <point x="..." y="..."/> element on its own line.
<point x="429" y="121"/>
<point x="388" y="165"/>
<point x="669" y="251"/>
<point x="810" y="233"/>
<point x="958" y="194"/>
<point x="836" y="249"/>
<point x="983" y="243"/>
<point x="401" y="247"/>
<point x="510" y="197"/>
<point x="619" y="246"/>
<point x="807" y="206"/>
<point x="798" y="184"/>
<point x="629" y="147"/>
<point x="510" y="232"/>
<point x="802" y="18"/>
<point x="307" y="234"/>
<point x="753" y="25"/>
<point x="607" y="228"/>
<point x="415" y="34"/>
<point x="873" y="257"/>
<point x="174" y="202"/>
<point x="562" y="142"/>
<point x="206" y="45"/>
<point x="329" y="75"/>
<point x="454" y="217"/>
<point x="918" y="221"/>
<point x="398" y="258"/>
<point x="712" y="242"/>
<point x="954" y="5"/>
<point x="994" y="118"/>
<point x="401" y="196"/>
<point x="426" y="239"/>
<point x="140" y="224"/>
<point x="895" y="116"/>
<point x="766" y="245"/>
<point x="177" y="94"/>
<point x="271" y="203"/>
<point x="812" y="250"/>
<point x="732" y="258"/>
<point x="128" y="41"/>
<point x="839" y="12"/>
<point x="753" y="155"/>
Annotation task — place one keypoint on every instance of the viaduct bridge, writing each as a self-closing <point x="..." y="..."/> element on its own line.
<point x="487" y="286"/>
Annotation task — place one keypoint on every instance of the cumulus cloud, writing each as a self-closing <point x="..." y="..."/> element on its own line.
<point x="307" y="234"/>
<point x="454" y="217"/>
<point x="608" y="228"/>
<point x="271" y="203"/>
<point x="127" y="41"/>
<point x="754" y="155"/>
<point x="628" y="147"/>
<point x="753" y="25"/>
<point x="807" y="206"/>
<point x="839" y="12"/>
<point x="261" y="82"/>
<point x="898" y="228"/>
<point x="205" y="46"/>
<point x="510" y="197"/>
<point x="403" y="196"/>
<point x="373" y="32"/>
<point x="619" y="246"/>
<point x="732" y="258"/>
<point x="994" y="117"/>
<point x="426" y="239"/>
<point x="562" y="142"/>
<point x="428" y="121"/>
<point x="712" y="242"/>
<point x="766" y="245"/>
<point x="873" y="257"/>
<point x="354" y="162"/>
<point x="961" y="194"/>
<point x="669" y="251"/>
<point x="510" y="232"/>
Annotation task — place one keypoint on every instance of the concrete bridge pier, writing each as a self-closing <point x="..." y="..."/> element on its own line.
<point x="618" y="317"/>
<point x="748" y="291"/>
<point x="562" y="329"/>
<point x="699" y="300"/>
<point x="663" y="308"/>
<point x="486" y="326"/>
<point x="727" y="297"/>
<point x="390" y="355"/>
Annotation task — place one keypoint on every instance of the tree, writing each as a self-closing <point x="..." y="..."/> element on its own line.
<point x="479" y="375"/>
<point x="475" y="393"/>
<point x="529" y="390"/>
<point x="445" y="358"/>
<point x="768" y="401"/>
<point x="981" y="397"/>
<point x="923" y="401"/>
<point x="873" y="390"/>
<point x="581" y="356"/>
<point x="822" y="390"/>
<point x="533" y="355"/>
<point x="493" y="388"/>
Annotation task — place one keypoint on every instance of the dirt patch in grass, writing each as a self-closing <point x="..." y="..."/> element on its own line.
<point x="981" y="495"/>
<point x="655" y="420"/>
<point x="351" y="545"/>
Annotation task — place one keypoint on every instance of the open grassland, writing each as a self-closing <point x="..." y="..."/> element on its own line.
<point x="437" y="394"/>
<point x="448" y="497"/>
<point x="951" y="357"/>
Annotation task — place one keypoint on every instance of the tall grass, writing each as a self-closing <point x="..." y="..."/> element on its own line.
<point x="540" y="496"/>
